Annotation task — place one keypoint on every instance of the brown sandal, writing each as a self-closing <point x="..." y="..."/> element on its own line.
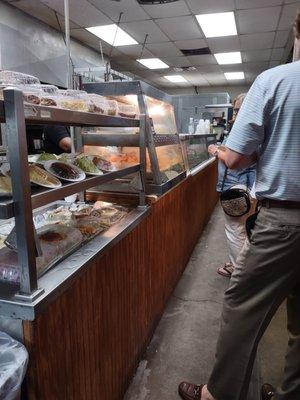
<point x="189" y="391"/>
<point x="226" y="270"/>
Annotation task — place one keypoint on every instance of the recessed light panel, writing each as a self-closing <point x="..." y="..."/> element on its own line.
<point x="231" y="76"/>
<point x="218" y="24"/>
<point x="175" y="78"/>
<point x="112" y="34"/>
<point x="229" y="58"/>
<point x="153" y="63"/>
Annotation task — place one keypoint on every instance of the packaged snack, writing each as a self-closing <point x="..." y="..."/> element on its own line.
<point x="76" y="100"/>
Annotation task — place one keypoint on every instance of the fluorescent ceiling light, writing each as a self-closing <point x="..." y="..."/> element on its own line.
<point x="175" y="78"/>
<point x="153" y="63"/>
<point x="229" y="58"/>
<point x="218" y="24"/>
<point x="231" y="76"/>
<point x="112" y="34"/>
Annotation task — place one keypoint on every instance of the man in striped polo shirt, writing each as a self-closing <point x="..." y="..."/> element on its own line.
<point x="267" y="129"/>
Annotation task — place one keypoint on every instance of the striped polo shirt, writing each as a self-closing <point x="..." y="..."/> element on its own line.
<point x="269" y="123"/>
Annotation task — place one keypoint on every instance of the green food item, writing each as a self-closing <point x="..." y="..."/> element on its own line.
<point x="86" y="165"/>
<point x="47" y="156"/>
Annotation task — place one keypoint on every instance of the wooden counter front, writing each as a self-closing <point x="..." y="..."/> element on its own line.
<point x="87" y="343"/>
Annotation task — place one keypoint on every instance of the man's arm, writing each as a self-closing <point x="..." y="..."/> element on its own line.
<point x="232" y="159"/>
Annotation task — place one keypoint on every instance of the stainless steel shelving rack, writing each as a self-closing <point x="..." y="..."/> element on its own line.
<point x="14" y="116"/>
<point x="153" y="140"/>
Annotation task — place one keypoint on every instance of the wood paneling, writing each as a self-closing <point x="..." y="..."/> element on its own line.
<point x="87" y="343"/>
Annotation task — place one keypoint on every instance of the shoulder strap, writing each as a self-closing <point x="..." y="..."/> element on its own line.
<point x="224" y="178"/>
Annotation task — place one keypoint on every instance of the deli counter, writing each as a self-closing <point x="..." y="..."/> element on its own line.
<point x="83" y="284"/>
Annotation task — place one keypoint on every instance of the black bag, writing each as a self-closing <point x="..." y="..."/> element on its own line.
<point x="234" y="201"/>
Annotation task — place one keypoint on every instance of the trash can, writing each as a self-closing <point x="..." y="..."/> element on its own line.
<point x="13" y="364"/>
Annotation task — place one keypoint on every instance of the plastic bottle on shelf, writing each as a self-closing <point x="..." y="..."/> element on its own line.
<point x="201" y="127"/>
<point x="191" y="127"/>
<point x="207" y="126"/>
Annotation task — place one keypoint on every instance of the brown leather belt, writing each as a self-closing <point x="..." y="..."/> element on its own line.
<point x="269" y="203"/>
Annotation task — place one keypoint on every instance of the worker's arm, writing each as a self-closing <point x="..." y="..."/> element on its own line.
<point x="65" y="144"/>
<point x="232" y="159"/>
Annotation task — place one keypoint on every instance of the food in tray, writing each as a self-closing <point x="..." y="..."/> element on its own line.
<point x="47" y="156"/>
<point x="86" y="164"/>
<point x="43" y="178"/>
<point x="89" y="226"/>
<point x="56" y="242"/>
<point x="65" y="171"/>
<point x="83" y="212"/>
<point x="59" y="215"/>
<point x="5" y="185"/>
<point x="37" y="176"/>
<point x="102" y="164"/>
<point x="171" y="174"/>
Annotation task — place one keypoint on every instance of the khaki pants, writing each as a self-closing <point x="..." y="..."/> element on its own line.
<point x="236" y="235"/>
<point x="268" y="272"/>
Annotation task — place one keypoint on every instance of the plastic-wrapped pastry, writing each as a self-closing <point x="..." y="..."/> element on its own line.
<point x="75" y="100"/>
<point x="127" y="110"/>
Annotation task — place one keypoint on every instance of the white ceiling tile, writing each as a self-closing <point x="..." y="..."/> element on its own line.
<point x="209" y="6"/>
<point x="180" y="28"/>
<point x="135" y="51"/>
<point x="257" y="41"/>
<point x="277" y="54"/>
<point x="176" y="9"/>
<point x="82" y="12"/>
<point x="177" y="61"/>
<point x="256" y="55"/>
<point x="256" y="67"/>
<point x="258" y="20"/>
<point x="206" y="59"/>
<point x="216" y="79"/>
<point x="281" y="38"/>
<point x="288" y="16"/>
<point x="191" y="44"/>
<point x="195" y="78"/>
<point x="223" y="44"/>
<point x="232" y="68"/>
<point x="139" y="29"/>
<point x="244" y="4"/>
<point x="131" y="10"/>
<point x="165" y="49"/>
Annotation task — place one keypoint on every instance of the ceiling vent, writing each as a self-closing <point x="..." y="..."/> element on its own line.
<point x="196" y="52"/>
<point x="149" y="2"/>
<point x="185" y="69"/>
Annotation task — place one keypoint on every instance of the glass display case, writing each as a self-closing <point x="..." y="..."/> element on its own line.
<point x="165" y="165"/>
<point x="195" y="149"/>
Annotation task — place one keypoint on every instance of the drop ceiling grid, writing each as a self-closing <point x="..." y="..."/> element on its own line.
<point x="183" y="9"/>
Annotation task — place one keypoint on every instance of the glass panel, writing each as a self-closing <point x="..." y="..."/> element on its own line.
<point x="162" y="115"/>
<point x="196" y="151"/>
<point x="170" y="158"/>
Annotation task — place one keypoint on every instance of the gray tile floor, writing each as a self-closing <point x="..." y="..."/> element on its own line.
<point x="183" y="345"/>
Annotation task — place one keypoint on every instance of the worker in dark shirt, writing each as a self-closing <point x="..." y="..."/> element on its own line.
<point x="57" y="139"/>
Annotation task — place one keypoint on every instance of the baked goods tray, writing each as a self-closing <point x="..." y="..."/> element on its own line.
<point x="41" y="197"/>
<point x="35" y="114"/>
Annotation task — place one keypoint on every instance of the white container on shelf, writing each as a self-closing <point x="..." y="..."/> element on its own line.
<point x="201" y="127"/>
<point x="191" y="126"/>
<point x="207" y="126"/>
